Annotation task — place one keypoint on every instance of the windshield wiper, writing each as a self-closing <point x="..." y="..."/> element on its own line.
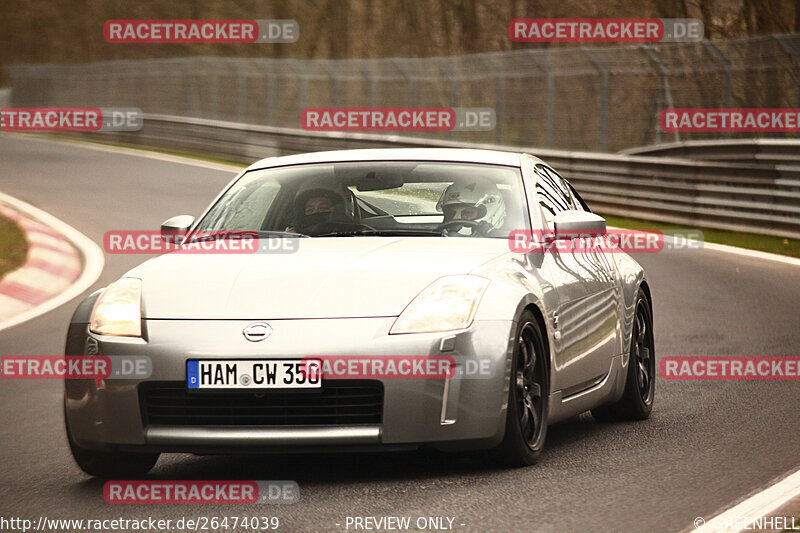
<point x="270" y="233"/>
<point x="383" y="233"/>
<point x="216" y="235"/>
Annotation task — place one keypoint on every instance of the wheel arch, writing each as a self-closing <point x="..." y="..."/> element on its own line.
<point x="76" y="332"/>
<point x="539" y="315"/>
<point x="644" y="286"/>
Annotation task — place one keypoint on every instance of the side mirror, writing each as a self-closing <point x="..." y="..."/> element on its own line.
<point x="572" y="223"/>
<point x="176" y="226"/>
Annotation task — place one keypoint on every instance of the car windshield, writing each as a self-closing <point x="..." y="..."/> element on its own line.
<point x="383" y="198"/>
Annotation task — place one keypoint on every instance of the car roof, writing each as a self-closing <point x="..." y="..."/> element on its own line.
<point x="461" y="155"/>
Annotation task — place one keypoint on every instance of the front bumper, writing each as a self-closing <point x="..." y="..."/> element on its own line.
<point x="455" y="413"/>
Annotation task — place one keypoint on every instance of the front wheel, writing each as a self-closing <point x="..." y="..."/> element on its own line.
<point x="640" y="385"/>
<point x="110" y="465"/>
<point x="526" y="417"/>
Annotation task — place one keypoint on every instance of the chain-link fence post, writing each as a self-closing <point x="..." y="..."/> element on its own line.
<point x="266" y="70"/>
<point x="179" y="74"/>
<point x="499" y="96"/>
<point x="333" y="83"/>
<point x="549" y="98"/>
<point x="666" y="93"/>
<point x="727" y="89"/>
<point x="451" y="76"/>
<point x="214" y="84"/>
<point x="303" y="79"/>
<point x="786" y="44"/>
<point x="241" y="90"/>
<point x="368" y="73"/>
<point x="193" y="89"/>
<point x="411" y="81"/>
<point x="602" y="120"/>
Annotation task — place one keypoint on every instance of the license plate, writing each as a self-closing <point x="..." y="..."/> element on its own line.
<point x="254" y="374"/>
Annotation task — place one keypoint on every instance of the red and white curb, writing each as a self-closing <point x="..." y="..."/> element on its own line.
<point x="61" y="264"/>
<point x="52" y="265"/>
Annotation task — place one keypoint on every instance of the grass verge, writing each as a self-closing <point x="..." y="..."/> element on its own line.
<point x="764" y="243"/>
<point x="13" y="246"/>
<point x="143" y="148"/>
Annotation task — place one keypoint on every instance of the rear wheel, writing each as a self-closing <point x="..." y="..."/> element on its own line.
<point x="526" y="417"/>
<point x="110" y="465"/>
<point x="640" y="385"/>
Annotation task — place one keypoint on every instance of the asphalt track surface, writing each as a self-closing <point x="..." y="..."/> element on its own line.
<point x="706" y="445"/>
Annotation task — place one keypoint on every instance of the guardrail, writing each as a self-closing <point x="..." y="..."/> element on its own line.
<point x="731" y="196"/>
<point x="770" y="152"/>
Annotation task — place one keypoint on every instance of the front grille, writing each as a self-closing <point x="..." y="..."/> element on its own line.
<point x="339" y="402"/>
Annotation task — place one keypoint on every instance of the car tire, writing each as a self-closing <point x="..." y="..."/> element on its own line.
<point x="110" y="465"/>
<point x="526" y="415"/>
<point x="640" y="383"/>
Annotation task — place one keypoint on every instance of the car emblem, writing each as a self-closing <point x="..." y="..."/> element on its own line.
<point x="257" y="331"/>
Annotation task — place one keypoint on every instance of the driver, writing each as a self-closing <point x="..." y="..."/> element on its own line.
<point x="316" y="206"/>
<point x="472" y="207"/>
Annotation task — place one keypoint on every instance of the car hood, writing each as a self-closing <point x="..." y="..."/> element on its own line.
<point x="326" y="278"/>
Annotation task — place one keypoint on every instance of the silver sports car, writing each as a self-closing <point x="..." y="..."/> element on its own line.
<point x="389" y="259"/>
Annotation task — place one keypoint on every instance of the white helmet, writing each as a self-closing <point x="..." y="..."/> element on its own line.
<point x="477" y="201"/>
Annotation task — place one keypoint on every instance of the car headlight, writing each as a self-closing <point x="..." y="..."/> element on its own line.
<point x="447" y="304"/>
<point x="118" y="310"/>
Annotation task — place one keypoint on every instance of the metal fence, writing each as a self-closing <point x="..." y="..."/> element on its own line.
<point x="601" y="98"/>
